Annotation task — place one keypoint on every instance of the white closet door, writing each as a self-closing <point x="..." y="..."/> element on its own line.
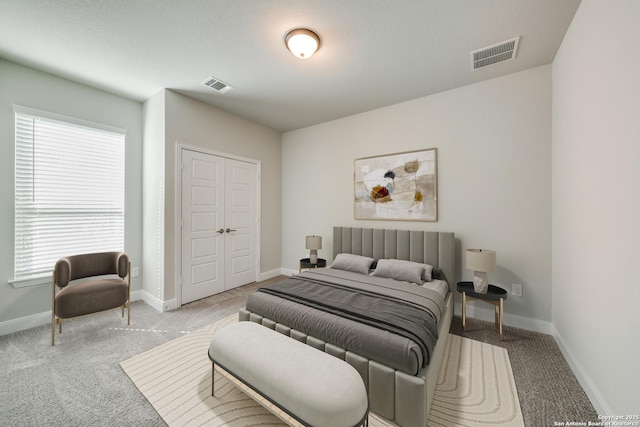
<point x="203" y="218"/>
<point x="219" y="229"/>
<point x="240" y="220"/>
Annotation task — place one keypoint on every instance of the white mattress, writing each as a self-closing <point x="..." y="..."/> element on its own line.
<point x="439" y="286"/>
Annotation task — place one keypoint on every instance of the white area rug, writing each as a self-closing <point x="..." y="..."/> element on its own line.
<point x="475" y="386"/>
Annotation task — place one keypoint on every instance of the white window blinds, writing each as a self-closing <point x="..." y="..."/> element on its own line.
<point x="69" y="192"/>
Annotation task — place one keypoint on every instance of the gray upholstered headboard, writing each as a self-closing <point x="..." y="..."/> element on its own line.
<point x="430" y="247"/>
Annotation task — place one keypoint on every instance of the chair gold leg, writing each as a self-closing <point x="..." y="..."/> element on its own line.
<point x="53" y="309"/>
<point x="129" y="293"/>
<point x="59" y="325"/>
<point x="464" y="311"/>
<point x="501" y="316"/>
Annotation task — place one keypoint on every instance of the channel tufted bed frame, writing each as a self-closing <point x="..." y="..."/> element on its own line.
<point x="393" y="394"/>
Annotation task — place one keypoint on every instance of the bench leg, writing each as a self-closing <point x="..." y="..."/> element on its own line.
<point x="213" y="373"/>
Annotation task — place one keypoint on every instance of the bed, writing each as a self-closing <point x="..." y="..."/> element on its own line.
<point x="399" y="359"/>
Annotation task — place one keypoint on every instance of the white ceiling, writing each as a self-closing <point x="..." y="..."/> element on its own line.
<point x="375" y="52"/>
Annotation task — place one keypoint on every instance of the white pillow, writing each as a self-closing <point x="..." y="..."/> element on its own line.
<point x="404" y="271"/>
<point x="350" y="262"/>
<point x="427" y="274"/>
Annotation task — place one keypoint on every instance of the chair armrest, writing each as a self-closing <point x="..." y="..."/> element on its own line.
<point x="62" y="272"/>
<point x="123" y="265"/>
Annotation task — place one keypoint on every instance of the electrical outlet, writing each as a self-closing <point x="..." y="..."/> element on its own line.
<point x="516" y="290"/>
<point x="135" y="271"/>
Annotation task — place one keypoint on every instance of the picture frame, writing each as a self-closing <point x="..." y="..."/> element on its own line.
<point x="400" y="186"/>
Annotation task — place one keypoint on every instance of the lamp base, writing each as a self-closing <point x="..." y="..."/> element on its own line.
<point x="480" y="282"/>
<point x="313" y="257"/>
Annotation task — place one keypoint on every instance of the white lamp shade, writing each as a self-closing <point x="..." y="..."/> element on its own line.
<point x="302" y="42"/>
<point x="314" y="242"/>
<point x="481" y="260"/>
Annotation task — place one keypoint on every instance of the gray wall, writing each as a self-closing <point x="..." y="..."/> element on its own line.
<point x="197" y="124"/>
<point x="166" y="119"/>
<point x="153" y="200"/>
<point x="494" y="172"/>
<point x="30" y="88"/>
<point x="596" y="149"/>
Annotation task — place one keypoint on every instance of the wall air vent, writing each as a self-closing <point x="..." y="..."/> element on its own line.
<point x="217" y="85"/>
<point x="490" y="55"/>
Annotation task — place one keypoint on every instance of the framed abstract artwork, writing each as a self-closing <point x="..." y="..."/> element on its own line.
<point x="400" y="186"/>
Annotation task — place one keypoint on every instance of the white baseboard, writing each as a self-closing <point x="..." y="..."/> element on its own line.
<point x="169" y="305"/>
<point x="597" y="400"/>
<point x="145" y="296"/>
<point x="26" y="322"/>
<point x="508" y="319"/>
<point x="275" y="272"/>
<point x="44" y="318"/>
<point x="172" y="304"/>
<point x="39" y="319"/>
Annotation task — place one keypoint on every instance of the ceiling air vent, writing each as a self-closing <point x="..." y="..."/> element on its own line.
<point x="490" y="55"/>
<point x="217" y="85"/>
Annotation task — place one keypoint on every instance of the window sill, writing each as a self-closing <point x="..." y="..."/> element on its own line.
<point x="31" y="281"/>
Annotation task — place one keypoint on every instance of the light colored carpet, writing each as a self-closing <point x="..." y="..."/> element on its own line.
<point x="475" y="386"/>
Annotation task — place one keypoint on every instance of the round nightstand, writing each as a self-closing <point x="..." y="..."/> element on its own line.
<point x="495" y="296"/>
<point x="306" y="263"/>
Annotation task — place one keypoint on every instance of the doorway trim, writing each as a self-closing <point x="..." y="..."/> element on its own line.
<point x="180" y="146"/>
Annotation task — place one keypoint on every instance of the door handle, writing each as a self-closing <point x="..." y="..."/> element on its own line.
<point x="229" y="230"/>
<point x="220" y="231"/>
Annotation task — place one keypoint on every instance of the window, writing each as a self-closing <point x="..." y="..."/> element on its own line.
<point x="69" y="191"/>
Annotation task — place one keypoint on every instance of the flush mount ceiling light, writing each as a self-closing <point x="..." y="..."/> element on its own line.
<point x="302" y="42"/>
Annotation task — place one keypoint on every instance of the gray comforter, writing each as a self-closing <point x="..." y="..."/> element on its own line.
<point x="392" y="322"/>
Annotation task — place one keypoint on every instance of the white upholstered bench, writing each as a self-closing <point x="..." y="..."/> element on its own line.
<point x="311" y="386"/>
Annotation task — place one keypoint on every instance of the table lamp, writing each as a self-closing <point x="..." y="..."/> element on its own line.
<point x="313" y="244"/>
<point x="481" y="261"/>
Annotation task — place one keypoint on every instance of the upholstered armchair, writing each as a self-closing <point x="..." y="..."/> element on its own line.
<point x="101" y="291"/>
